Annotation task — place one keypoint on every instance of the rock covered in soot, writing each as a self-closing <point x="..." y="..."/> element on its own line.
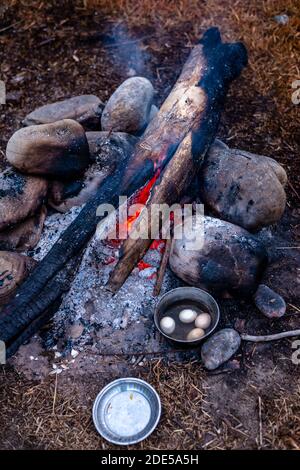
<point x="227" y="261"/>
<point x="57" y="149"/>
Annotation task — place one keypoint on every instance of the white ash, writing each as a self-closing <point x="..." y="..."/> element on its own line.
<point x="112" y="324"/>
<point x="130" y="311"/>
<point x="54" y="226"/>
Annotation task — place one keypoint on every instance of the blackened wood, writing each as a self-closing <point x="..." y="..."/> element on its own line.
<point x="219" y="65"/>
<point x="197" y="96"/>
<point x="32" y="297"/>
<point x="40" y="311"/>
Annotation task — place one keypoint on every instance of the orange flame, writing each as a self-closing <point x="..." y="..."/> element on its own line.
<point x="141" y="197"/>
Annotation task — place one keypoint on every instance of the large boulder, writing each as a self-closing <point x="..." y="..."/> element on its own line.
<point x="243" y="188"/>
<point x="229" y="261"/>
<point x="55" y="149"/>
<point x="20" y="197"/>
<point x="128" y="109"/>
<point x="85" y="109"/>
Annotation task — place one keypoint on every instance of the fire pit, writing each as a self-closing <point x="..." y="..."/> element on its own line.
<point x="87" y="279"/>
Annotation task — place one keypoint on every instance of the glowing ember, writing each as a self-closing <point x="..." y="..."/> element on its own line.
<point x="143" y="265"/>
<point x="141" y="197"/>
<point x="113" y="243"/>
<point x="109" y="260"/>
<point x="158" y="245"/>
<point x="152" y="276"/>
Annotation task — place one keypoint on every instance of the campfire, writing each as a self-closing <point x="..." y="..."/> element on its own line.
<point x="60" y="157"/>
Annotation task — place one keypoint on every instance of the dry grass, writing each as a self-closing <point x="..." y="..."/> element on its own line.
<point x="54" y="415"/>
<point x="46" y="415"/>
<point x="282" y="421"/>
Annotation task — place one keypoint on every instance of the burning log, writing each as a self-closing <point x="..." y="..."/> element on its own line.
<point x="195" y="102"/>
<point x="187" y="122"/>
<point x="180" y="135"/>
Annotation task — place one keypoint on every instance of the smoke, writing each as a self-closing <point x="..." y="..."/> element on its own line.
<point x="127" y="52"/>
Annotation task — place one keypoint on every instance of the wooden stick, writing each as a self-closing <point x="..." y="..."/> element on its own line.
<point x="162" y="267"/>
<point x="259" y="339"/>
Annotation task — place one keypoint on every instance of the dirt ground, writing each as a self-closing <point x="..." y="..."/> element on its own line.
<point x="56" y="49"/>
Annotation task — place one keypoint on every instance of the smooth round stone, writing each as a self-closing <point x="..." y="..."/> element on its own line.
<point x="85" y="109"/>
<point x="243" y="188"/>
<point x="228" y="261"/>
<point x="14" y="268"/>
<point x="220" y="347"/>
<point x="271" y="304"/>
<point x="21" y="196"/>
<point x="128" y="108"/>
<point x="26" y="234"/>
<point x="55" y="149"/>
<point x="153" y="112"/>
<point x="76" y="330"/>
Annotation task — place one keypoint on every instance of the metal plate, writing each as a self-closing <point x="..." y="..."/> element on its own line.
<point x="126" y="411"/>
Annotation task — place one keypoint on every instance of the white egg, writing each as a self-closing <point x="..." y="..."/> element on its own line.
<point x="196" y="333"/>
<point x="203" y="321"/>
<point x="187" y="315"/>
<point x="167" y="324"/>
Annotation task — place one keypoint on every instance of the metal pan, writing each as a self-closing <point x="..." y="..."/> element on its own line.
<point x="126" y="411"/>
<point x="188" y="297"/>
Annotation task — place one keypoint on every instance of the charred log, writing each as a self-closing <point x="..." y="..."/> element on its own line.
<point x="192" y="110"/>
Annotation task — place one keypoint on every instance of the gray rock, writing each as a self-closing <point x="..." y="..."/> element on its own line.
<point x="76" y="330"/>
<point x="153" y="112"/>
<point x="56" y="149"/>
<point x="108" y="149"/>
<point x="85" y="109"/>
<point x="271" y="304"/>
<point x="25" y="235"/>
<point x="229" y="261"/>
<point x="220" y="347"/>
<point x="106" y="152"/>
<point x="63" y="195"/>
<point x="128" y="109"/>
<point x="243" y="188"/>
<point x="20" y="197"/>
<point x="14" y="269"/>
